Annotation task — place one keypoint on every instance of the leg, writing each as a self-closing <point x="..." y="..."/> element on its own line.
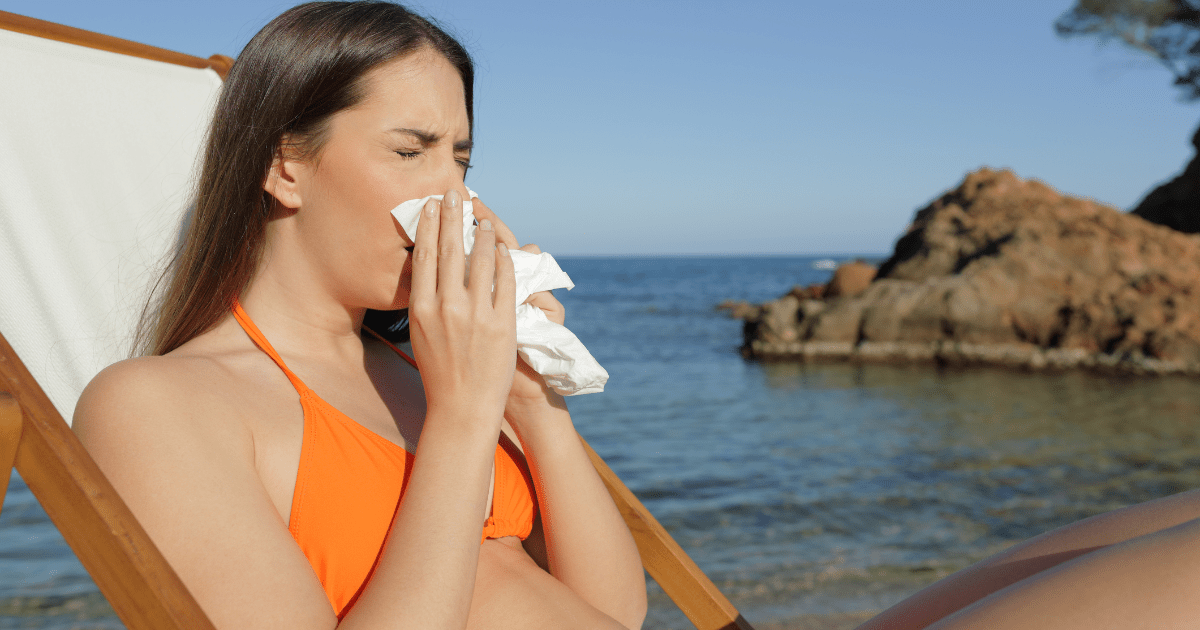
<point x="1152" y="581"/>
<point x="1034" y="556"/>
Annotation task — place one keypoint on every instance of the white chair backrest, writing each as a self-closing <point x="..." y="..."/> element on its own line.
<point x="97" y="156"/>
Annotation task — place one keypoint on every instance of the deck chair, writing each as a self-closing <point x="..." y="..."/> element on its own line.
<point x="98" y="141"/>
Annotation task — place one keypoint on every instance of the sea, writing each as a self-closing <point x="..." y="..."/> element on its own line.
<point x="812" y="494"/>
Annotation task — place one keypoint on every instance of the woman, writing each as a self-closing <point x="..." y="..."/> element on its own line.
<point x="278" y="515"/>
<point x="365" y="505"/>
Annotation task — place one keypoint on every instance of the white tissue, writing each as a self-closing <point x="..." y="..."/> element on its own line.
<point x="549" y="348"/>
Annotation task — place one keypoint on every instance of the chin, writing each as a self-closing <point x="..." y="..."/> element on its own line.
<point x="387" y="293"/>
<point x="378" y="298"/>
<point x="399" y="297"/>
<point x="380" y="302"/>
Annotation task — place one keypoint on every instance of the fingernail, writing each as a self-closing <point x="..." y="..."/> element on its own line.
<point x="451" y="200"/>
<point x="485" y="225"/>
<point x="500" y="247"/>
<point x="431" y="207"/>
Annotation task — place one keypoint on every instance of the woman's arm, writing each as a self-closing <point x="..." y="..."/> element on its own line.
<point x="463" y="339"/>
<point x="588" y="546"/>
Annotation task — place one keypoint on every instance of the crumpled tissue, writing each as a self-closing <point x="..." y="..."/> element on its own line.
<point x="549" y="348"/>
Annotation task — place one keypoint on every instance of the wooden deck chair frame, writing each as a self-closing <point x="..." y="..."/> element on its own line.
<point x="132" y="574"/>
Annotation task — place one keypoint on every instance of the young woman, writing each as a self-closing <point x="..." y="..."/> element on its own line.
<point x="299" y="473"/>
<point x="295" y="469"/>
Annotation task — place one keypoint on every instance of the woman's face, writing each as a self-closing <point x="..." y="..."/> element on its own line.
<point x="408" y="138"/>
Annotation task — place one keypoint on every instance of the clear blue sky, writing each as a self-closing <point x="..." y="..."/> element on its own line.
<point x="802" y="127"/>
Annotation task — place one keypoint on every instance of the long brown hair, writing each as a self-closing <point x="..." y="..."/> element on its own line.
<point x="299" y="70"/>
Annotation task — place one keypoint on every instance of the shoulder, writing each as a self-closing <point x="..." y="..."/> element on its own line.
<point x="148" y="400"/>
<point x="137" y="384"/>
<point x="199" y="380"/>
<point x="161" y="384"/>
<point x="172" y="434"/>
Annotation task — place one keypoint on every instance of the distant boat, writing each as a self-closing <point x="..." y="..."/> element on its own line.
<point x="825" y="263"/>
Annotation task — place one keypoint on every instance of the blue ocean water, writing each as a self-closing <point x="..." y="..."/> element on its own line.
<point x="810" y="493"/>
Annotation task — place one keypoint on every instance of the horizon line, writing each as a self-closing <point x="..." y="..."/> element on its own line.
<point x="836" y="255"/>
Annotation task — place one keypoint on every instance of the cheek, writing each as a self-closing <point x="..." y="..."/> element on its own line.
<point x="352" y="226"/>
<point x="356" y="204"/>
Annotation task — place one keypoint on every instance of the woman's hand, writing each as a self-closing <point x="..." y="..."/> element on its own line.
<point x="587" y="544"/>
<point x="463" y="335"/>
<point x="529" y="390"/>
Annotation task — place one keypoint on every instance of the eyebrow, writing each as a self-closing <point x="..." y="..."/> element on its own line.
<point x="427" y="138"/>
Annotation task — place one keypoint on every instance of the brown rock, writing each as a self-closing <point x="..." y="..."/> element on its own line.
<point x="740" y="309"/>
<point x="889" y="311"/>
<point x="840" y="321"/>
<point x="1009" y="271"/>
<point x="850" y="279"/>
<point x="810" y="292"/>
<point x="778" y="320"/>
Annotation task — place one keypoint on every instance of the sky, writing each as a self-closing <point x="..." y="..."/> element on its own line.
<point x="802" y="127"/>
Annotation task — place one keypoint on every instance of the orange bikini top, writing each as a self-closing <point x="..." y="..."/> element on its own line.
<point x="349" y="486"/>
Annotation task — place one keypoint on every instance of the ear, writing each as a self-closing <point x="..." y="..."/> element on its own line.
<point x="284" y="178"/>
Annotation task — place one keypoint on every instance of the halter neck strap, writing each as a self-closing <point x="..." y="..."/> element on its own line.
<point x="260" y="340"/>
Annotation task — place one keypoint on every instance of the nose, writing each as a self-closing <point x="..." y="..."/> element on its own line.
<point x="450" y="176"/>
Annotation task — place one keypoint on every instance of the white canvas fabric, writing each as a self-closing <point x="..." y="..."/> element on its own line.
<point x="97" y="153"/>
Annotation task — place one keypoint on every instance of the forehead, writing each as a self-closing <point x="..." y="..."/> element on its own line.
<point x="421" y="90"/>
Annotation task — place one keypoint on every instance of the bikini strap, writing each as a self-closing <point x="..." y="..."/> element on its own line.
<point x="260" y="340"/>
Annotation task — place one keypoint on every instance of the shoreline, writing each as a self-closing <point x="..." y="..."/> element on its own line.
<point x="1027" y="357"/>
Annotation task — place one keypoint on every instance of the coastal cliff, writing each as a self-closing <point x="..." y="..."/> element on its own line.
<point x="1003" y="271"/>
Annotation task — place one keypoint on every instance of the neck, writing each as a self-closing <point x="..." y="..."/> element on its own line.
<point x="289" y="303"/>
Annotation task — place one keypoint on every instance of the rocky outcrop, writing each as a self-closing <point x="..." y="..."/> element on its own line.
<point x="1006" y="271"/>
<point x="1176" y="204"/>
<point x="850" y="279"/>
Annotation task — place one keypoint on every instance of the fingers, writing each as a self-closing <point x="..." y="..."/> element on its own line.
<point x="483" y="263"/>
<point x="506" y="283"/>
<point x="465" y="347"/>
<point x="545" y="300"/>
<point x="450" y="243"/>
<point x="425" y="255"/>
<point x="550" y="305"/>
<point x="503" y="234"/>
